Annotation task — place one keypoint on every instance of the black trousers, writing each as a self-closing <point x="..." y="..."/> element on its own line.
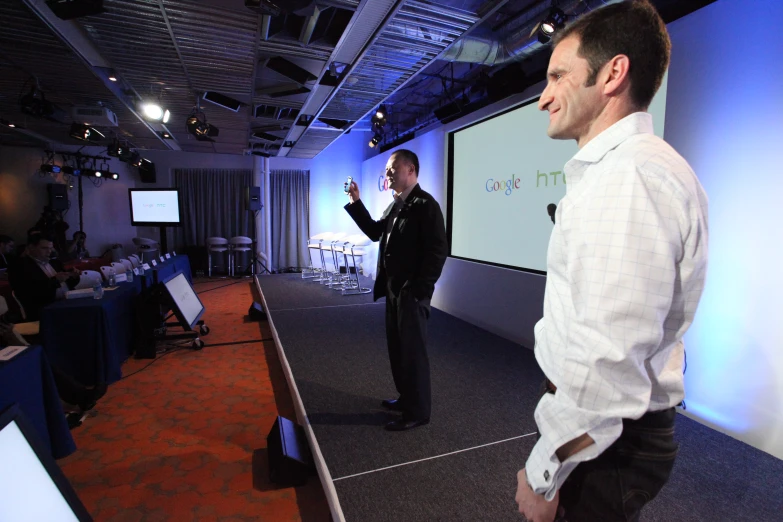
<point x="619" y="482"/>
<point x="406" y="336"/>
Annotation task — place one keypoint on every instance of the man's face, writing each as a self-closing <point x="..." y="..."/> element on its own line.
<point x="7" y="248"/>
<point x="399" y="173"/>
<point x="572" y="106"/>
<point x="42" y="251"/>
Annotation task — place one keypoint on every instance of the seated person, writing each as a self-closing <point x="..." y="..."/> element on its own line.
<point x="76" y="247"/>
<point x="6" y="251"/>
<point x="38" y="280"/>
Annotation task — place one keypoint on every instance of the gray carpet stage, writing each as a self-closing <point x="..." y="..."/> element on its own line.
<point x="462" y="466"/>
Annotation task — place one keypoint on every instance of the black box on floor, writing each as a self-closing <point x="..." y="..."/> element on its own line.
<point x="290" y="460"/>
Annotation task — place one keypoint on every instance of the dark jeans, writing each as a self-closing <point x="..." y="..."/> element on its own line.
<point x="406" y="336"/>
<point x="629" y="474"/>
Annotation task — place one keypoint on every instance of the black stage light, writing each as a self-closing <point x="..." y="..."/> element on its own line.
<point x="51" y="169"/>
<point x="71" y="171"/>
<point x="135" y="159"/>
<point x="85" y="133"/>
<point x="375" y="141"/>
<point x="115" y="176"/>
<point x="554" y="21"/>
<point x="116" y="149"/>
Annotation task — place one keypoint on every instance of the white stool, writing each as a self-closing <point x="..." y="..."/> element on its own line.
<point x="218" y="245"/>
<point x="240" y="244"/>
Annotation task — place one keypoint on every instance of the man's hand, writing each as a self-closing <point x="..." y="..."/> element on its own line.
<point x="534" y="507"/>
<point x="353" y="192"/>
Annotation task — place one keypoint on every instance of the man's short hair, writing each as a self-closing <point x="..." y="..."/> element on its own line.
<point x="37" y="237"/>
<point x="408" y="156"/>
<point x="633" y="28"/>
<point x="6" y="239"/>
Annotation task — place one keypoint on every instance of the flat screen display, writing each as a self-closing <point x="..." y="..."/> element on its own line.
<point x="155" y="207"/>
<point x="187" y="305"/>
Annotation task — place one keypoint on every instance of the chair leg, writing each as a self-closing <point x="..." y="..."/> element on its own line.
<point x="209" y="262"/>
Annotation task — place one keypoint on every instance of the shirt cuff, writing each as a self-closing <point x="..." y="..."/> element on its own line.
<point x="542" y="470"/>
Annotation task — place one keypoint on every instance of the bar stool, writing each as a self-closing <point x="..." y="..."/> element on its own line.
<point x="218" y="245"/>
<point x="240" y="244"/>
<point x="313" y="244"/>
<point x="146" y="246"/>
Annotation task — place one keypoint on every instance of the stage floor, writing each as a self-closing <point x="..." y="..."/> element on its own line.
<point x="463" y="465"/>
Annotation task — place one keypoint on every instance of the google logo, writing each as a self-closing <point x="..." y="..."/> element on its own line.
<point x="503" y="186"/>
<point x="383" y="183"/>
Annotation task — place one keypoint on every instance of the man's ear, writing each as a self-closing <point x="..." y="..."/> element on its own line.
<point x="615" y="75"/>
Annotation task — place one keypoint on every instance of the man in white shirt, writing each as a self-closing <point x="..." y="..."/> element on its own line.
<point x="625" y="271"/>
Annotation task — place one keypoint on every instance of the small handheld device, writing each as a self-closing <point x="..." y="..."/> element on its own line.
<point x="347" y="185"/>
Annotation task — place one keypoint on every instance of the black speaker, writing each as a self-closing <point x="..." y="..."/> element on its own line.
<point x="290" y="460"/>
<point x="58" y="196"/>
<point x="253" y="198"/>
<point x="147" y="172"/>
<point x="256" y="312"/>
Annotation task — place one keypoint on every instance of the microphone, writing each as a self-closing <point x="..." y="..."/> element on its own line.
<point x="550" y="209"/>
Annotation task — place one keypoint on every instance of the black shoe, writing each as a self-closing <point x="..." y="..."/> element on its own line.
<point x="74" y="419"/>
<point x="93" y="396"/>
<point x="392" y="404"/>
<point x="405" y="424"/>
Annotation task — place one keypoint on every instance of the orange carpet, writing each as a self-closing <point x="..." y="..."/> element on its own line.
<point x="174" y="442"/>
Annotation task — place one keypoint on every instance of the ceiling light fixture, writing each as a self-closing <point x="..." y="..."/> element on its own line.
<point x="554" y="21"/>
<point x="112" y="78"/>
<point x="154" y="112"/>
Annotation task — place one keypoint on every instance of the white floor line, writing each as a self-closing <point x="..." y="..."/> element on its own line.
<point x="434" y="457"/>
<point x="327" y="306"/>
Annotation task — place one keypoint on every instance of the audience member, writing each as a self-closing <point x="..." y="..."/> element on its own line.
<point x="76" y="247"/>
<point x="38" y="280"/>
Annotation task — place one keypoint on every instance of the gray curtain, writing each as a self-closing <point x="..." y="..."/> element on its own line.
<point x="290" y="201"/>
<point x="213" y="202"/>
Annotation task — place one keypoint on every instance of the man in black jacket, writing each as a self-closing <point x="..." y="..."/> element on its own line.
<point x="38" y="280"/>
<point x="412" y="252"/>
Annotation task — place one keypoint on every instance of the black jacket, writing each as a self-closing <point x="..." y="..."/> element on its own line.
<point x="417" y="247"/>
<point x="33" y="287"/>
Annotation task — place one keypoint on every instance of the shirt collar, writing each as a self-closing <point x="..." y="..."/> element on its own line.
<point x="405" y="193"/>
<point x="598" y="147"/>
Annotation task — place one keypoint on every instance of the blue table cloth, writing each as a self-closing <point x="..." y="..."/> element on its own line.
<point x="27" y="380"/>
<point x="91" y="338"/>
<point x="171" y="266"/>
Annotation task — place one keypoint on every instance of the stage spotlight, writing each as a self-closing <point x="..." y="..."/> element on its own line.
<point x="553" y="22"/>
<point x="114" y="175"/>
<point x="71" y="171"/>
<point x="112" y="78"/>
<point x="381" y="113"/>
<point x="197" y="125"/>
<point x="85" y="133"/>
<point x="98" y="174"/>
<point x="154" y="112"/>
<point x="375" y="141"/>
<point x="51" y="169"/>
<point x="135" y="159"/>
<point x="116" y="149"/>
<point x="166" y="135"/>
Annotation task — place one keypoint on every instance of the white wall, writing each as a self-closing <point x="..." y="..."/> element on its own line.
<point x="724" y="119"/>
<point x="328" y="172"/>
<point x="23" y="194"/>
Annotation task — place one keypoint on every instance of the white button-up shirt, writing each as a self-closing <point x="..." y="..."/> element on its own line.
<point x="625" y="270"/>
